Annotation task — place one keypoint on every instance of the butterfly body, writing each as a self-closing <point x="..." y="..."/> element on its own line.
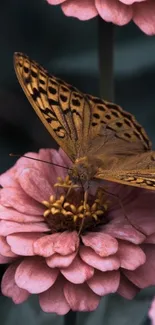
<point x="101" y="139"/>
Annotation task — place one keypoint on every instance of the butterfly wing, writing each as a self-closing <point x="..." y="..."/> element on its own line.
<point x="60" y="107"/>
<point x="143" y="178"/>
<point x="138" y="170"/>
<point x="113" y="131"/>
<point x="120" y="145"/>
<point x="82" y="125"/>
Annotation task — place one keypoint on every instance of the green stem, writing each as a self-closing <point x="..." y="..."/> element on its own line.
<point x="106" y="46"/>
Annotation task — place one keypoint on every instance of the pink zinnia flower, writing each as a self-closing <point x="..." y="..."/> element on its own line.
<point x="40" y="239"/>
<point x="119" y="12"/>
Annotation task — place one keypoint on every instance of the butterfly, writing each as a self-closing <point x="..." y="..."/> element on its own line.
<point x="101" y="139"/>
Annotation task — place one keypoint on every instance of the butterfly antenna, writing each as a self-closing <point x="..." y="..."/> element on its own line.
<point x="40" y="160"/>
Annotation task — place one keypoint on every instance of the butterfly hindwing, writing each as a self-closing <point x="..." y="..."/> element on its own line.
<point x="141" y="179"/>
<point x="112" y="127"/>
<point x="138" y="170"/>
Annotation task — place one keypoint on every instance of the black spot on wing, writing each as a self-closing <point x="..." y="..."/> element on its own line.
<point x="76" y="102"/>
<point x="52" y="102"/>
<point x="42" y="90"/>
<point x="52" y="90"/>
<point x="63" y="98"/>
<point x="36" y="94"/>
<point x="34" y="74"/>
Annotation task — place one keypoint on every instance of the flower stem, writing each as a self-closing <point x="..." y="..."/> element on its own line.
<point x="70" y="318"/>
<point x="106" y="45"/>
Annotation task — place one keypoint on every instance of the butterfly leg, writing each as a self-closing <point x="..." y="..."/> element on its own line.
<point x="85" y="200"/>
<point x="66" y="184"/>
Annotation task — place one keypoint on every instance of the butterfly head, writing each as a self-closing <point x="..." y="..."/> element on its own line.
<point x="82" y="170"/>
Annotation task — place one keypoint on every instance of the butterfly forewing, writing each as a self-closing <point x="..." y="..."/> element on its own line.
<point x="59" y="105"/>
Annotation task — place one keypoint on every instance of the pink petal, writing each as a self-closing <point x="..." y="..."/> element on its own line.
<point x="81" y="9"/>
<point x="5" y="249"/>
<point x="143" y="277"/>
<point x="66" y="243"/>
<point x="34" y="275"/>
<point x="137" y="210"/>
<point x="9" y="287"/>
<point x="80" y="297"/>
<point x="52" y="172"/>
<point x="5" y="259"/>
<point x="19" y="200"/>
<point x="10" y="227"/>
<point x="55" y="2"/>
<point x="152" y="312"/>
<point x="44" y="245"/>
<point x="7" y="179"/>
<point x="53" y="300"/>
<point x="150" y="239"/>
<point x="13" y="215"/>
<point x="78" y="271"/>
<point x="101" y="263"/>
<point x="60" y="261"/>
<point x="125" y="232"/>
<point x="103" y="244"/>
<point x="144" y="16"/>
<point x="104" y="283"/>
<point x="22" y="243"/>
<point x="114" y="11"/>
<point x="131" y="256"/>
<point x="130" y="2"/>
<point x="126" y="288"/>
<point x="35" y="185"/>
<point x="23" y="162"/>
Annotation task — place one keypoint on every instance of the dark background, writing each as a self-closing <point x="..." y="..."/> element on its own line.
<point x="70" y="49"/>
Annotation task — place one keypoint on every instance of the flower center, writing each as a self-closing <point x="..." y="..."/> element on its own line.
<point x="69" y="211"/>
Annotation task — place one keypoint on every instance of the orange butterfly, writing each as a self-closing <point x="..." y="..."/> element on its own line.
<point x="102" y="140"/>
